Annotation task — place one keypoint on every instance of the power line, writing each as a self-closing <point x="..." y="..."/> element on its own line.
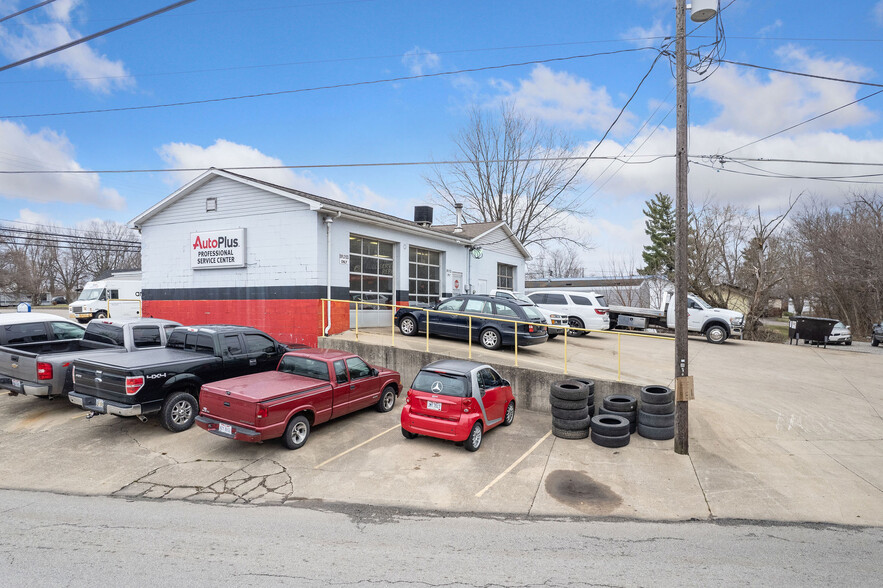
<point x="327" y="165"/>
<point x="774" y="175"/>
<point x="803" y="74"/>
<point x="337" y="60"/>
<point x="79" y="238"/>
<point x="28" y="9"/>
<point x="95" y="35"/>
<point x="332" y="86"/>
<point x="809" y="120"/>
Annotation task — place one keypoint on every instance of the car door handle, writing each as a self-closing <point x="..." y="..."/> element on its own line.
<point x="352" y="386"/>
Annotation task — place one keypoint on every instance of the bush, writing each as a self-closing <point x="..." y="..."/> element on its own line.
<point x="768" y="335"/>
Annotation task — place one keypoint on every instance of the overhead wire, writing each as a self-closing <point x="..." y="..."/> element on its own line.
<point x="332" y="86"/>
<point x="24" y="10"/>
<point x="87" y="38"/>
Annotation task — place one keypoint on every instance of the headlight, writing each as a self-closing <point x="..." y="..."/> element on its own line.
<point x="736" y="320"/>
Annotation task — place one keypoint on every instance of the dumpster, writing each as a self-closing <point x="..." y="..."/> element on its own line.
<point x="811" y="329"/>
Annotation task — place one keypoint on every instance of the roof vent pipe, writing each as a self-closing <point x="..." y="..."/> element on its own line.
<point x="459" y="208"/>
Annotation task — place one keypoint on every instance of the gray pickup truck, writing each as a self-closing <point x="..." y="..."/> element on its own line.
<point x="43" y="368"/>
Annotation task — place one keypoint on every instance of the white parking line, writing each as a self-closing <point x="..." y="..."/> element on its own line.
<point x="512" y="467"/>
<point x="327" y="461"/>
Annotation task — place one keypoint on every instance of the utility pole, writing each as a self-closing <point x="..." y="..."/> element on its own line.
<point x="682" y="373"/>
<point x="702" y="10"/>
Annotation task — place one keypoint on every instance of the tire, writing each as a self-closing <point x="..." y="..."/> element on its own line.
<point x="408" y="326"/>
<point x="387" y="399"/>
<point x="716" y="334"/>
<point x="620" y="403"/>
<point x="179" y="411"/>
<point x="473" y="442"/>
<point x="656" y="433"/>
<point x="657" y="395"/>
<point x="610" y="425"/>
<point x="101" y="314"/>
<point x="630" y="416"/>
<point x="571" y="415"/>
<point x="571" y="425"/>
<point x="607" y="441"/>
<point x="568" y="434"/>
<point x="490" y="339"/>
<point x="576" y="323"/>
<point x="408" y="434"/>
<point x="567" y="404"/>
<point x="297" y="432"/>
<point x="874" y="342"/>
<point x="667" y="408"/>
<point x="848" y="343"/>
<point x="656" y="420"/>
<point x="552" y="336"/>
<point x="569" y="390"/>
<point x="510" y="414"/>
<point x="590" y="384"/>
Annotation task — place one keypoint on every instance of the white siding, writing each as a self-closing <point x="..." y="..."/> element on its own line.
<point x="499" y="242"/>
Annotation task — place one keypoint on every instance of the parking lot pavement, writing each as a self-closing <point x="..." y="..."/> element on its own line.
<point x="776" y="433"/>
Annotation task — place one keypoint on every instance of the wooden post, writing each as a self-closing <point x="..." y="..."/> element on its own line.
<point x="681" y="441"/>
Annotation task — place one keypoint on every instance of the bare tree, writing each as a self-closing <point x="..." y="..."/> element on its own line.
<point x="512" y="175"/>
<point x="562" y="261"/>
<point x="118" y="247"/>
<point x="717" y="240"/>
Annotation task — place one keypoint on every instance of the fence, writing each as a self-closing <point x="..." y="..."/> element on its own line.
<point x="327" y="317"/>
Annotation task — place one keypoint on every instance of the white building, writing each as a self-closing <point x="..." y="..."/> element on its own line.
<point x="227" y="248"/>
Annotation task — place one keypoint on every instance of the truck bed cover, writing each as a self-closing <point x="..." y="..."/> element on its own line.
<point x="637" y="311"/>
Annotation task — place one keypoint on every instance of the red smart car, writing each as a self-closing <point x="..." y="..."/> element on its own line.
<point x="457" y="400"/>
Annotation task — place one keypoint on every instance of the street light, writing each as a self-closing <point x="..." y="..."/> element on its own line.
<point x="702" y="10"/>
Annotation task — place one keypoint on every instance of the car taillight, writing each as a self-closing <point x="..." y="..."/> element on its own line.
<point x="408" y="400"/>
<point x="263" y="411"/>
<point x="44" y="371"/>
<point x="530" y="328"/>
<point x="467" y="404"/>
<point x="134" y="384"/>
<point x="600" y="311"/>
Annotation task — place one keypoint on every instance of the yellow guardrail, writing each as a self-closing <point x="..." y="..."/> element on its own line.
<point x="396" y="307"/>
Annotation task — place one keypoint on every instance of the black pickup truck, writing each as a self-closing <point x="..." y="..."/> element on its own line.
<point x="167" y="380"/>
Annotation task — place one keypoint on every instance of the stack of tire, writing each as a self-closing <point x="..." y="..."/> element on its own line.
<point x="610" y="430"/>
<point x="656" y="419"/>
<point x="622" y="405"/>
<point x="570" y="408"/>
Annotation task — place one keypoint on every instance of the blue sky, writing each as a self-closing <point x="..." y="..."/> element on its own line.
<point x="221" y="48"/>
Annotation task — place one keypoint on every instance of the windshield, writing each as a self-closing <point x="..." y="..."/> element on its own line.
<point x="91" y="294"/>
<point x="443" y="384"/>
<point x="533" y="314"/>
<point x="701" y="302"/>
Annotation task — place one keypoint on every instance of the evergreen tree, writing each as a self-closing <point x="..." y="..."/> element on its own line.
<point x="659" y="256"/>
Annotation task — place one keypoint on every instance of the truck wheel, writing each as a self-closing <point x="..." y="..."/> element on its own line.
<point x="473" y="442"/>
<point x="179" y="411"/>
<point x="296" y="432"/>
<point x="387" y="399"/>
<point x="490" y="339"/>
<point x="716" y="334"/>
<point x="101" y="314"/>
<point x="874" y="343"/>
<point x="408" y="326"/>
<point x="576" y="323"/>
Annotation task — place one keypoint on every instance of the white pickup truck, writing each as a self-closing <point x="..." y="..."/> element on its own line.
<point x="717" y="324"/>
<point x="42" y="366"/>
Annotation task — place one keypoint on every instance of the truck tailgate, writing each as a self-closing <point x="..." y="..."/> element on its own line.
<point x="19" y="366"/>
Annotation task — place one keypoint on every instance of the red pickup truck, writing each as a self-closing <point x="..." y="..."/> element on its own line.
<point x="309" y="387"/>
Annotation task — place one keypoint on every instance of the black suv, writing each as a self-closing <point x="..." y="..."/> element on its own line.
<point x="485" y="313"/>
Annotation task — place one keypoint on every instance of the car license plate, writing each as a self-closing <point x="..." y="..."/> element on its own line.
<point x="99" y="403"/>
<point x="433" y="405"/>
<point x="225" y="429"/>
<point x="16" y="383"/>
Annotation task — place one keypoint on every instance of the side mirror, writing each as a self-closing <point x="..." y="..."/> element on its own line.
<point x="505" y="383"/>
<point x="374" y="372"/>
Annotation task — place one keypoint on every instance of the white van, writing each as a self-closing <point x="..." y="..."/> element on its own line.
<point x="584" y="310"/>
<point x="118" y="296"/>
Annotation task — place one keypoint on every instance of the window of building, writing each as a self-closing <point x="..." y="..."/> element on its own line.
<point x="371" y="272"/>
<point x="424" y="271"/>
<point x="505" y="276"/>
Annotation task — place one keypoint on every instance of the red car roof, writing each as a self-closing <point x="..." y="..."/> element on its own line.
<point x="326" y="354"/>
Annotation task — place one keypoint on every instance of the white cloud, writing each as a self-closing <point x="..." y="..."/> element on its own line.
<point x="760" y="103"/>
<point x="82" y="63"/>
<point x="562" y="98"/>
<point x="47" y="149"/>
<point x="643" y="37"/>
<point x="419" y="60"/>
<point x="764" y="31"/>
<point x="878" y="12"/>
<point x="223" y="154"/>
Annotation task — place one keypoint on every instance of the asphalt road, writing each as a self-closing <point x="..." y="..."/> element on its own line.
<point x="51" y="539"/>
